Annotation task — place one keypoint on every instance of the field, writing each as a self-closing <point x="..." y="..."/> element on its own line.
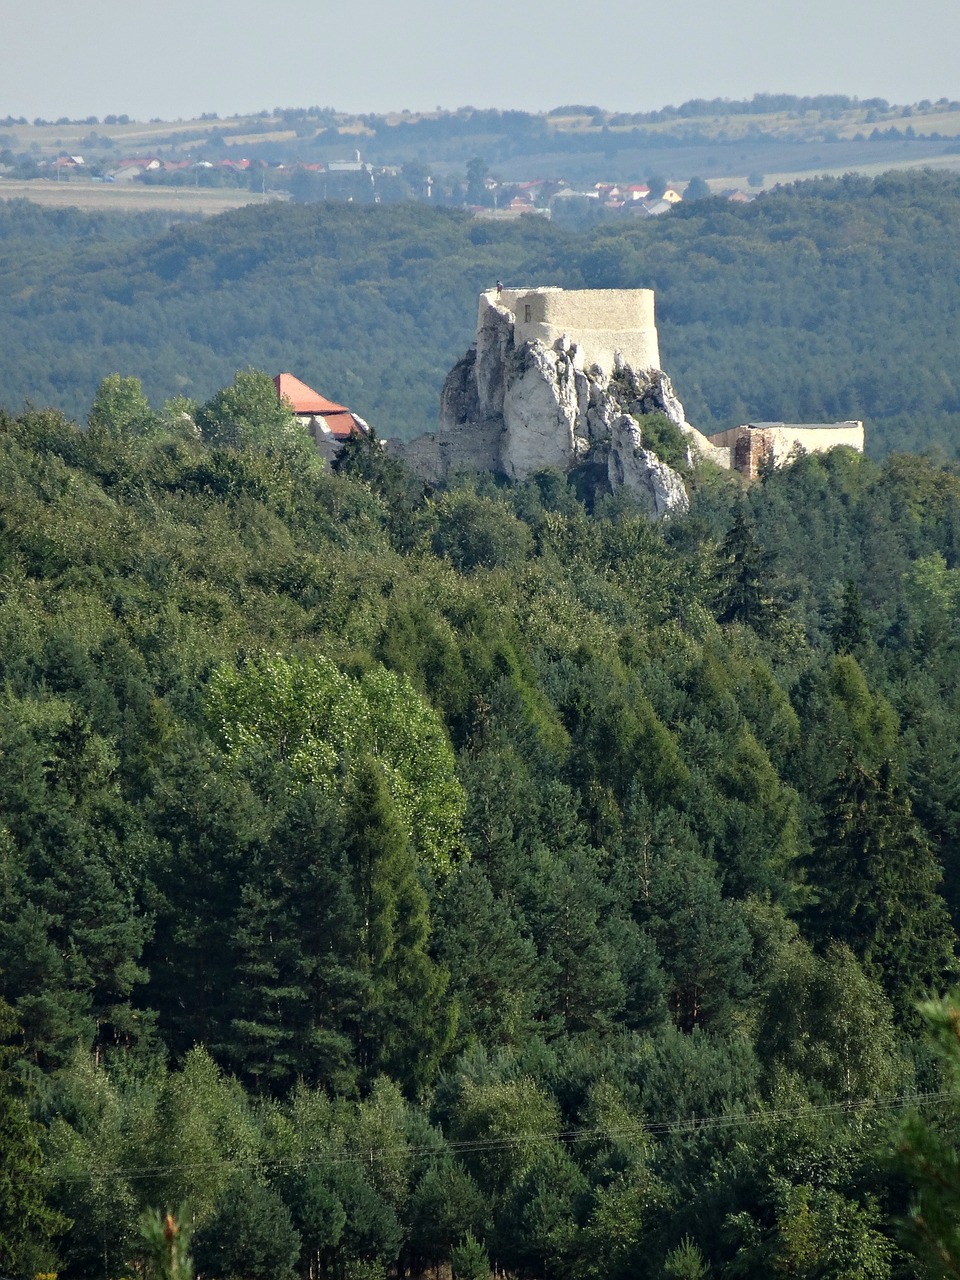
<point x="130" y="197"/>
<point x="950" y="163"/>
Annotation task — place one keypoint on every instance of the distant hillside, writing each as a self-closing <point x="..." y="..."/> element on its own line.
<point x="775" y="137"/>
<point x="831" y="299"/>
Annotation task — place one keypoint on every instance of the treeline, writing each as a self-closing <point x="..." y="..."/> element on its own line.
<point x="487" y="120"/>
<point x="766" y="104"/>
<point x="392" y="878"/>
<point x="829" y="300"/>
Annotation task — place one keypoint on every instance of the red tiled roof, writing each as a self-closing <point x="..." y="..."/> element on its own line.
<point x="303" y="399"/>
<point x="341" y="424"/>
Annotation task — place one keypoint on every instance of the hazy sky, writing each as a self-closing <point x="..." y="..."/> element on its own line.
<point x="174" y="60"/>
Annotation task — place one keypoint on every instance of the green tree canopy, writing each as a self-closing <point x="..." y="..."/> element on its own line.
<point x="319" y="722"/>
<point x="27" y="1223"/>
<point x="247" y="414"/>
<point x="120" y="407"/>
<point x="876" y="883"/>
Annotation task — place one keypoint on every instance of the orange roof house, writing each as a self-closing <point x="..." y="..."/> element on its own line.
<point x="329" y="423"/>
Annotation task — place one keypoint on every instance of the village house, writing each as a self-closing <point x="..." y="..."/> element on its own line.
<point x="330" y="424"/>
<point x="650" y="208"/>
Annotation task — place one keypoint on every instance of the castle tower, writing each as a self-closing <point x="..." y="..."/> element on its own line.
<point x="602" y="322"/>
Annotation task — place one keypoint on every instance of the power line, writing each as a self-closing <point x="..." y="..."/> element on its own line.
<point x="541" y="1137"/>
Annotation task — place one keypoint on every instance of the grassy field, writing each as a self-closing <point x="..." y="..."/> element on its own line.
<point x="951" y="163"/>
<point x="136" y="134"/>
<point x="130" y="197"/>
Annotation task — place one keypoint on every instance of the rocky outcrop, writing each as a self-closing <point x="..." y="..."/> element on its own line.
<point x="657" y="487"/>
<point x="517" y="408"/>
<point x="652" y="392"/>
<point x="542" y="411"/>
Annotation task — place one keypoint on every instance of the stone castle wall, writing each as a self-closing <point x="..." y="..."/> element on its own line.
<point x="438" y="456"/>
<point x="602" y="322"/>
<point x="757" y="441"/>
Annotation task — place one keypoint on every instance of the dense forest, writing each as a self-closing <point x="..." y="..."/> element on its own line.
<point x="397" y="878"/>
<point x="828" y="300"/>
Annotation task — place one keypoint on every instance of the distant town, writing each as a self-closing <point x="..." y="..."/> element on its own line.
<point x="576" y="163"/>
<point x="357" y="180"/>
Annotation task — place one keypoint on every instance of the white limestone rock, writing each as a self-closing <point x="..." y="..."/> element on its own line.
<point x="603" y="409"/>
<point x="493" y="350"/>
<point x="651" y="482"/>
<point x="541" y="409"/>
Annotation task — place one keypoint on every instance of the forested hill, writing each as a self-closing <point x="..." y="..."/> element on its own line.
<point x="832" y="299"/>
<point x="396" y="879"/>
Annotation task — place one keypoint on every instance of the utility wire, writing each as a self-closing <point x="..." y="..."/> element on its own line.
<point x="478" y="1146"/>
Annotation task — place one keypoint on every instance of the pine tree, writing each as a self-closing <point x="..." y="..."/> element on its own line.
<point x="931" y="1158"/>
<point x="743" y="578"/>
<point x="166" y="1245"/>
<point x="701" y="939"/>
<point x="493" y="965"/>
<point x="406" y="1022"/>
<point x="568" y="909"/>
<point x="444" y="1202"/>
<point x="293" y="942"/>
<point x="849" y="632"/>
<point x="250" y="1234"/>
<point x="27" y="1225"/>
<point x="686" y="1262"/>
<point x="876" y="883"/>
<point x="469" y="1260"/>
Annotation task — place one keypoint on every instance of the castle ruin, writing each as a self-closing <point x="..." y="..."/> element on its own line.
<point x="757" y="443"/>
<point x="559" y="378"/>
